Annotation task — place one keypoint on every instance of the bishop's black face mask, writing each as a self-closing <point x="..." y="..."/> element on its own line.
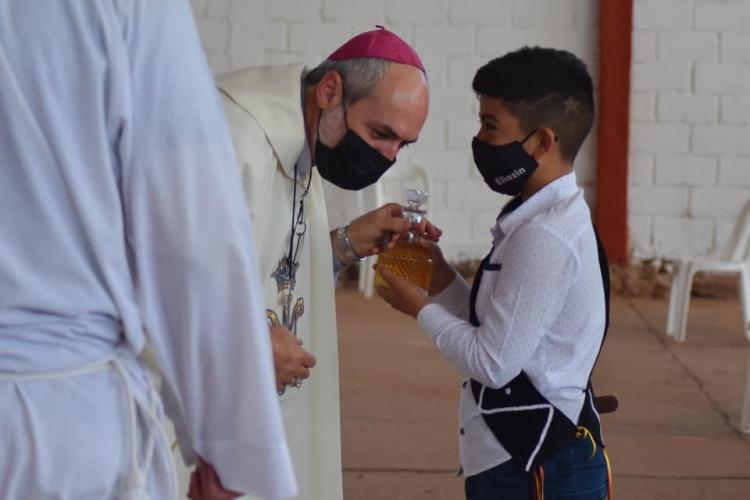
<point x="505" y="168"/>
<point x="351" y="164"/>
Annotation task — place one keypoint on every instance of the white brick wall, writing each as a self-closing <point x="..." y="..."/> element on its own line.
<point x="660" y="75"/>
<point x="643" y="106"/>
<point x="659" y="15"/>
<point x="687" y="108"/>
<point x="718" y="202"/>
<point x="721" y="78"/>
<point x="337" y="11"/>
<point x="721" y="17"/>
<point x="658" y="200"/>
<point x="644" y="46"/>
<point x="641" y="170"/>
<point x="690" y="102"/>
<point x="681" y="170"/>
<point x="454" y="38"/>
<point x="480" y="13"/>
<point x="690" y="117"/>
<point x="688" y="46"/>
<point x="693" y="234"/>
<point x="734" y="171"/>
<point x="660" y="137"/>
<point x="640" y="230"/>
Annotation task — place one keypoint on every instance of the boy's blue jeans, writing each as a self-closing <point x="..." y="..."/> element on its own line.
<point x="572" y="474"/>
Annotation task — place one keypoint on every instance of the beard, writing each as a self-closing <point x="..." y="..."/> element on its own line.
<point x="332" y="126"/>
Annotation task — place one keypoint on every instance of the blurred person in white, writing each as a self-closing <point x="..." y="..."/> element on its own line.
<point x="122" y="220"/>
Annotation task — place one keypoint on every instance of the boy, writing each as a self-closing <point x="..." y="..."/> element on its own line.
<point x="527" y="334"/>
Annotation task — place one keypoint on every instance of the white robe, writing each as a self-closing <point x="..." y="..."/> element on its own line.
<point x="121" y="213"/>
<point x="265" y="114"/>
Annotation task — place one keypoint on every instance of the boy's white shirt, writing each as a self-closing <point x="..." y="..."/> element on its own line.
<point x="541" y="313"/>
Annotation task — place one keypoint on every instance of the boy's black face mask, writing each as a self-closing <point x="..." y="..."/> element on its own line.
<point x="505" y="168"/>
<point x="351" y="164"/>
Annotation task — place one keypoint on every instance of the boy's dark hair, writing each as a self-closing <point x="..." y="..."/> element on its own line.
<point x="543" y="88"/>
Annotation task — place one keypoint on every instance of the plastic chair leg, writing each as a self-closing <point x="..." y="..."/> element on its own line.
<point x="362" y="276"/>
<point x="674" y="299"/>
<point x="685" y="287"/>
<point x="366" y="282"/>
<point x="369" y="276"/>
<point x="744" y="286"/>
<point x="745" y="415"/>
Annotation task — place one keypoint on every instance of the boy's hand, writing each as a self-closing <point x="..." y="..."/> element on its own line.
<point x="402" y="294"/>
<point x="443" y="273"/>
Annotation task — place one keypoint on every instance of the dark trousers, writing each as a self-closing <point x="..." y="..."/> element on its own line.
<point x="572" y="474"/>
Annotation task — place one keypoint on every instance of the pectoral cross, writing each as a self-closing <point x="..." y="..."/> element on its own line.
<point x="287" y="321"/>
<point x="286" y="280"/>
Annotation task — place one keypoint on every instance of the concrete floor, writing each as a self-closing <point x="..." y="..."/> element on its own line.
<point x="674" y="437"/>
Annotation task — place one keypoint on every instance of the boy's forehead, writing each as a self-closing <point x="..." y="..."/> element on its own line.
<point x="493" y="107"/>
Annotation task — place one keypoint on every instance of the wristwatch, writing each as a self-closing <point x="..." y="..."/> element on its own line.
<point x="346" y="246"/>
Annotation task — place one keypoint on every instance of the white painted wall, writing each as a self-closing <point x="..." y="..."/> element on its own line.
<point x="690" y="124"/>
<point x="690" y="110"/>
<point x="454" y="38"/>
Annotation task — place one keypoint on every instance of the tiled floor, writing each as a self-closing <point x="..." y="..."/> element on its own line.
<point x="674" y="437"/>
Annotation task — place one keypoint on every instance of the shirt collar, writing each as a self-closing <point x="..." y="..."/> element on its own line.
<point x="541" y="200"/>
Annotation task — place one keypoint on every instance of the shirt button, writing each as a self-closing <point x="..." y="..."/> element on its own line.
<point x="507" y="391"/>
<point x="461" y="431"/>
<point x="464" y="385"/>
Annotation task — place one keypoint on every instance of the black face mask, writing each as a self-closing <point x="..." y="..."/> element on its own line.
<point x="352" y="164"/>
<point x="505" y="168"/>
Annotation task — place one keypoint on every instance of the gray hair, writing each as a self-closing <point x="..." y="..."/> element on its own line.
<point x="360" y="76"/>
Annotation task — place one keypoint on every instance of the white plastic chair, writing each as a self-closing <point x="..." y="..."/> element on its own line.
<point x="376" y="198"/>
<point x="735" y="259"/>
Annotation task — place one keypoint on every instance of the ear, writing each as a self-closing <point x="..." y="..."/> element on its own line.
<point x="330" y="91"/>
<point x="545" y="141"/>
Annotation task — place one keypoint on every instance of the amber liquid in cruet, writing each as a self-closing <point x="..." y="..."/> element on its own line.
<point x="407" y="259"/>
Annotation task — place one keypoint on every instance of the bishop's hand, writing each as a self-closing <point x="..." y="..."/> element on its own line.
<point x="290" y="360"/>
<point x="366" y="232"/>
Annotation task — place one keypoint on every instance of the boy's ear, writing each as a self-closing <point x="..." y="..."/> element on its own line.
<point x="545" y="141"/>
